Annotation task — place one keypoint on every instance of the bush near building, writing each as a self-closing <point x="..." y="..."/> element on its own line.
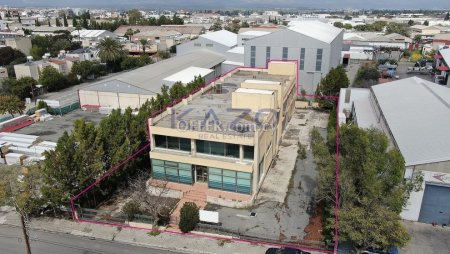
<point x="189" y="217"/>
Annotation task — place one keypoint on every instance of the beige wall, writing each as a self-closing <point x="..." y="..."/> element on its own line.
<point x="3" y="73"/>
<point x="282" y="68"/>
<point x="23" y="70"/>
<point x="253" y="101"/>
<point x="22" y="44"/>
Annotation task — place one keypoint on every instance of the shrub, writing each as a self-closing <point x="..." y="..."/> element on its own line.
<point x="189" y="217"/>
<point x="130" y="209"/>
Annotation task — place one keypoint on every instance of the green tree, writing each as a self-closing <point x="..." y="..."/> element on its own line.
<point x="111" y="52"/>
<point x="338" y="24"/>
<point x="331" y="85"/>
<point x="348" y="26"/>
<point x="366" y="76"/>
<point x="372" y="189"/>
<point x="74" y="22"/>
<point x="129" y="33"/>
<point x="85" y="69"/>
<point x="57" y="22"/>
<point x="402" y="29"/>
<point x="134" y="16"/>
<point x="347" y="17"/>
<point x="8" y="55"/>
<point x="447" y="16"/>
<point x="52" y="79"/>
<point x="11" y="104"/>
<point x="130" y="62"/>
<point x="66" y="24"/>
<point x="217" y="26"/>
<point x="21" y="88"/>
<point x="410" y="22"/>
<point x="357" y="225"/>
<point x="177" y="91"/>
<point x="162" y="54"/>
<point x="426" y="23"/>
<point x="189" y="217"/>
<point x="144" y="43"/>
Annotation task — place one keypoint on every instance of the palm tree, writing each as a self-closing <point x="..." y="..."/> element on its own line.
<point x="110" y="50"/>
<point x="144" y="43"/>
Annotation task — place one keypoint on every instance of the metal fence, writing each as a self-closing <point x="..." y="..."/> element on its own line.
<point x="111" y="217"/>
<point x="217" y="229"/>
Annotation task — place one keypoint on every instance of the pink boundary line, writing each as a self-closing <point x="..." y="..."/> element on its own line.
<point x="174" y="102"/>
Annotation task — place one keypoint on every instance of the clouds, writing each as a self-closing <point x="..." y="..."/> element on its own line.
<point x="215" y="4"/>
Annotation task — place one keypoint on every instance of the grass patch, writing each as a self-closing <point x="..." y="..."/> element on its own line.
<point x="153" y="233"/>
<point x="222" y="242"/>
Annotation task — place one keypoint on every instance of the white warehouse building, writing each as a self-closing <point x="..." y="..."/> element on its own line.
<point x="316" y="45"/>
<point x="415" y="115"/>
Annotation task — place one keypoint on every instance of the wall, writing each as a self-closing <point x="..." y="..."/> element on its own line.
<point x="110" y="99"/>
<point x="23" y="70"/>
<point x="189" y="46"/>
<point x="309" y="77"/>
<point x="22" y="44"/>
<point x="253" y="101"/>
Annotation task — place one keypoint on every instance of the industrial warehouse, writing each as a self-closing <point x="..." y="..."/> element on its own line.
<point x="133" y="88"/>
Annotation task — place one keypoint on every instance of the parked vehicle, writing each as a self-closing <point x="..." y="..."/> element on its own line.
<point x="285" y="251"/>
<point x="392" y="250"/>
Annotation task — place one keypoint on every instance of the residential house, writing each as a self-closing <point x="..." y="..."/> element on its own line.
<point x="443" y="66"/>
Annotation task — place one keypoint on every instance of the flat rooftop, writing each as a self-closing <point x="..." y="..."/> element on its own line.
<point x="213" y="107"/>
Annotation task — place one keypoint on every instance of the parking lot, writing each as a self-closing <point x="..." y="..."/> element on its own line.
<point x="53" y="129"/>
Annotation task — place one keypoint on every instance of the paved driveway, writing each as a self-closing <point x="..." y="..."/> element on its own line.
<point x="427" y="239"/>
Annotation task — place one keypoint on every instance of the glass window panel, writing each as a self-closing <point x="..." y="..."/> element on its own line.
<point x="173" y="143"/>
<point x="229" y="173"/>
<point x="184" y="166"/>
<point x="158" y="169"/>
<point x="302" y="58"/>
<point x="216" y="171"/>
<point x="157" y="162"/>
<point x="185" y="144"/>
<point x="160" y="141"/>
<point x="285" y="53"/>
<point x="243" y="175"/>
<point x="248" y="152"/>
<point x="185" y="173"/>
<point x="202" y="146"/>
<point x="171" y="164"/>
<point x="243" y="182"/>
<point x="217" y="148"/>
<point x="232" y="150"/>
<point x="215" y="178"/>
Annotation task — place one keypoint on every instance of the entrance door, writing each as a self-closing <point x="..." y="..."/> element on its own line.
<point x="435" y="205"/>
<point x="202" y="174"/>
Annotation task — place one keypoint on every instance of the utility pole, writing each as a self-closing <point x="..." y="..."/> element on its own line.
<point x="25" y="233"/>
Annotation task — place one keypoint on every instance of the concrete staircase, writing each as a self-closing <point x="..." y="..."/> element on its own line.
<point x="195" y="195"/>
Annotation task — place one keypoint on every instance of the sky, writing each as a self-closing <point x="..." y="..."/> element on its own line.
<point x="230" y="4"/>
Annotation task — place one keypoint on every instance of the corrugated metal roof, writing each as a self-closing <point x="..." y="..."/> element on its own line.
<point x="117" y="86"/>
<point x="445" y="53"/>
<point x="187" y="75"/>
<point x="317" y="30"/>
<point x="150" y="77"/>
<point x="223" y="37"/>
<point x="417" y="113"/>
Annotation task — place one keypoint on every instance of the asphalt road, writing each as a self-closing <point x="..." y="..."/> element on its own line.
<point x="11" y="242"/>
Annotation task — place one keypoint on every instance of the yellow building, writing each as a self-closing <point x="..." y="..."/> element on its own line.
<point x="222" y="140"/>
